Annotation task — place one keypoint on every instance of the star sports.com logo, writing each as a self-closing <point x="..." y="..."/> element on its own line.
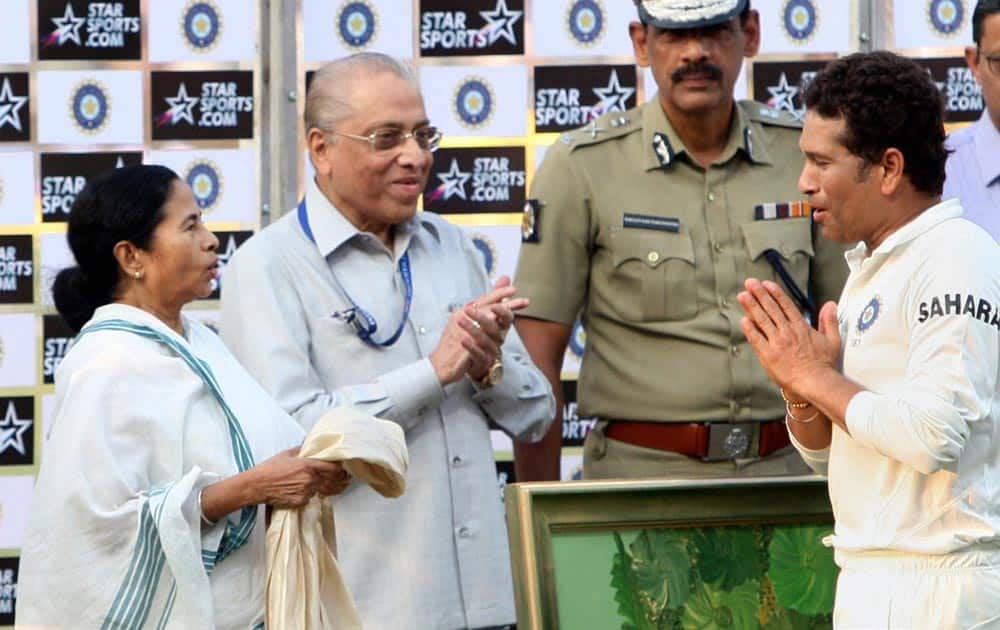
<point x="67" y="29"/>
<point x="181" y="108"/>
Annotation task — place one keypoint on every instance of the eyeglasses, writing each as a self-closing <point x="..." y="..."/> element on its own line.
<point x="992" y="62"/>
<point x="427" y="138"/>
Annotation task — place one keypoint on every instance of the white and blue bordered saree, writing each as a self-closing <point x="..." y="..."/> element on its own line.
<point x="144" y="419"/>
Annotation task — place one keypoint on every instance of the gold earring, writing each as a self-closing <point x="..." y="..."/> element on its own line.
<point x="137" y="274"/>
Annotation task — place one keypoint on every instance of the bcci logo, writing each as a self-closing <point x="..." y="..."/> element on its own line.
<point x="90" y="106"/>
<point x="489" y="252"/>
<point x="206" y="183"/>
<point x="585" y="21"/>
<point x="201" y="25"/>
<point x="578" y="339"/>
<point x="800" y="18"/>
<point x="870" y="314"/>
<point x="946" y="16"/>
<point x="474" y="102"/>
<point x="356" y="24"/>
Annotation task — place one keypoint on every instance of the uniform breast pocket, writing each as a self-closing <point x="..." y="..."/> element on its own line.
<point x="653" y="275"/>
<point x="790" y="238"/>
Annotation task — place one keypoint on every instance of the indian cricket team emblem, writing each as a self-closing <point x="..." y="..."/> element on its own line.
<point x="800" y="18"/>
<point x="90" y="106"/>
<point x="946" y="16"/>
<point x="201" y="24"/>
<point x="205" y="180"/>
<point x="585" y="21"/>
<point x="489" y="252"/>
<point x="356" y="24"/>
<point x="474" y="102"/>
<point x="578" y="339"/>
<point x="868" y="316"/>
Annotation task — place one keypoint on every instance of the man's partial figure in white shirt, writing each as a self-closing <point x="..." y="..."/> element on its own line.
<point x="973" y="167"/>
<point x="895" y="395"/>
<point x="355" y="298"/>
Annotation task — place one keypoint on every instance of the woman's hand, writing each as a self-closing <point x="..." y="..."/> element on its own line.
<point x="283" y="481"/>
<point x="289" y="481"/>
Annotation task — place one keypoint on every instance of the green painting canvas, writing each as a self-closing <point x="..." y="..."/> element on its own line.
<point x="774" y="577"/>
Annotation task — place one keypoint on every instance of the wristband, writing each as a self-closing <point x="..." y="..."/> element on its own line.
<point x="788" y="414"/>
<point x="204" y="519"/>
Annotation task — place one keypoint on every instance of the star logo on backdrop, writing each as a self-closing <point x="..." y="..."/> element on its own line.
<point x="613" y="97"/>
<point x="453" y="182"/>
<point x="10" y="105"/>
<point x="181" y="107"/>
<point x="12" y="431"/>
<point x="500" y="23"/>
<point x="228" y="253"/>
<point x="67" y="29"/>
<point x="782" y="96"/>
<point x="224" y="258"/>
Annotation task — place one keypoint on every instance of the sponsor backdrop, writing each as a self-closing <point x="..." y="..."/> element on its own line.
<point x="86" y="86"/>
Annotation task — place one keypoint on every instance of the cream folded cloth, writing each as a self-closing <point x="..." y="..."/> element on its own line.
<point x="304" y="587"/>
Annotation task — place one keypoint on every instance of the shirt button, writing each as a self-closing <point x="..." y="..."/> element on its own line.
<point x="653" y="256"/>
<point x="711" y="196"/>
<point x="735" y="351"/>
<point x="422" y="330"/>
<point x="724" y="303"/>
<point x="456" y="461"/>
<point x="717" y="247"/>
<point x="463" y="532"/>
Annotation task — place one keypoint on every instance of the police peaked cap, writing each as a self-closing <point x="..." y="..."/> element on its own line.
<point x="676" y="14"/>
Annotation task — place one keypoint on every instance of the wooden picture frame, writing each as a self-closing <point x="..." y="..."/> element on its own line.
<point x="545" y="520"/>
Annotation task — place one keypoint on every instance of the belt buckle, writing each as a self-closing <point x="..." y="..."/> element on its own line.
<point x="728" y="441"/>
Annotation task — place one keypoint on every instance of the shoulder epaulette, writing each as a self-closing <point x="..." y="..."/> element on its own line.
<point x="610" y="125"/>
<point x="764" y="114"/>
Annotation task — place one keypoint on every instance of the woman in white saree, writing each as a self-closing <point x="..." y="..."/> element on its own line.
<point x="148" y="508"/>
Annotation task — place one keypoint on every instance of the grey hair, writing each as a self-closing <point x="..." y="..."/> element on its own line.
<point x="328" y="100"/>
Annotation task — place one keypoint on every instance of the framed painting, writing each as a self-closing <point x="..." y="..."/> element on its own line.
<point x="658" y="555"/>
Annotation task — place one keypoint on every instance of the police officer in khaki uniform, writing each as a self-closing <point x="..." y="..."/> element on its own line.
<point x="647" y="222"/>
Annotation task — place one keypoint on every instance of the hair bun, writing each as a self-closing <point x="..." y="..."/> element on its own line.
<point x="75" y="297"/>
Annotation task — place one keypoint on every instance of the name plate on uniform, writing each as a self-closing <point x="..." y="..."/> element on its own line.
<point x="649" y="222"/>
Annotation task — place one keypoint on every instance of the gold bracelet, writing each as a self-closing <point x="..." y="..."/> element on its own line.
<point x="790" y="416"/>
<point x="793" y="405"/>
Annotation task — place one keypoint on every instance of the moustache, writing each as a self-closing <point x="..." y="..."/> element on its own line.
<point x="704" y="68"/>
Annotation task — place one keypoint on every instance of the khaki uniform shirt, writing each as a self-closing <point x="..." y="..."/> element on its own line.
<point x="653" y="248"/>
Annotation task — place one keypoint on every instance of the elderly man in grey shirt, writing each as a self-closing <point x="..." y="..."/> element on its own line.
<point x="355" y="299"/>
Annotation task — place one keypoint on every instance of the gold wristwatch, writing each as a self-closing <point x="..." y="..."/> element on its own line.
<point x="493" y="376"/>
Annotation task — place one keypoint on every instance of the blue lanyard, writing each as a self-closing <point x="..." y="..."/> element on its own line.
<point x="364" y="324"/>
